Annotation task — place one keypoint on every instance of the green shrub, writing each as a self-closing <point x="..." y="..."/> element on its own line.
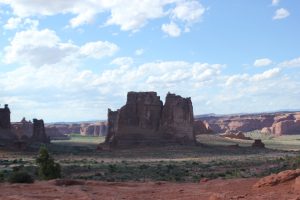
<point x="1" y="176"/>
<point x="47" y="168"/>
<point x="20" y="177"/>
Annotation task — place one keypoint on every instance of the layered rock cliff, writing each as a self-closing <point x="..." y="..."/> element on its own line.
<point x="145" y="120"/>
<point x="94" y="129"/>
<point x="278" y="123"/>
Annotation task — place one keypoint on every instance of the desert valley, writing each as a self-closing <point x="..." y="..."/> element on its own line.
<point x="149" y="100"/>
<point x="151" y="150"/>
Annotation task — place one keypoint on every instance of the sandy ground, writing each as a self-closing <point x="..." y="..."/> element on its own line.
<point x="93" y="190"/>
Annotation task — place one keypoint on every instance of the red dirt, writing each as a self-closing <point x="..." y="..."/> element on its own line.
<point x="93" y="190"/>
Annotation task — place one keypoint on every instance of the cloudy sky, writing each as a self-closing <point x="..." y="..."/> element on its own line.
<point x="71" y="60"/>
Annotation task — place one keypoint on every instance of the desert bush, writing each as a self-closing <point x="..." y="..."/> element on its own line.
<point x="1" y="176"/>
<point x="20" y="177"/>
<point x="47" y="168"/>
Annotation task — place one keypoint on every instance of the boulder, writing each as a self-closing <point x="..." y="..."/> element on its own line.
<point x="258" y="144"/>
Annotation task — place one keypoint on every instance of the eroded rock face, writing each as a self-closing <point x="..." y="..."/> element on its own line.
<point x="284" y="124"/>
<point x="177" y="119"/>
<point x="96" y="129"/>
<point x="5" y="117"/>
<point x="201" y="128"/>
<point x="244" y="123"/>
<point x="54" y="134"/>
<point x="23" y="128"/>
<point x="66" y="129"/>
<point x="39" y="133"/>
<point x="144" y="119"/>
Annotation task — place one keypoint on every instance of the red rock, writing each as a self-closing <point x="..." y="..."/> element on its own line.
<point x="145" y="120"/>
<point x="201" y="127"/>
<point x="296" y="186"/>
<point x="279" y="178"/>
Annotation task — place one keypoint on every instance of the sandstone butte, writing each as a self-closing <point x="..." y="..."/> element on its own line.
<point x="20" y="133"/>
<point x="144" y="119"/>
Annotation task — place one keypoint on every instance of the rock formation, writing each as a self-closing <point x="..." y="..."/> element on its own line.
<point x="22" y="128"/>
<point x="235" y="135"/>
<point x="258" y="144"/>
<point x="144" y="119"/>
<point x="177" y="119"/>
<point x="244" y="123"/>
<point x="54" y="134"/>
<point x="39" y="133"/>
<point x="279" y="178"/>
<point x="5" y="117"/>
<point x="6" y="135"/>
<point x="284" y="125"/>
<point x="94" y="129"/>
<point x="280" y="123"/>
<point x="201" y="127"/>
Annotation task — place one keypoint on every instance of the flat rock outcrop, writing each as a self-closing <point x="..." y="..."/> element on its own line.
<point x="279" y="178"/>
<point x="145" y="120"/>
<point x="235" y="135"/>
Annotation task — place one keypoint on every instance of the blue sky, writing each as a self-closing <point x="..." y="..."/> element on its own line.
<point x="71" y="60"/>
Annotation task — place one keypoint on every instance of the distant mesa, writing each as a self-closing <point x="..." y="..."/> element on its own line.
<point x="145" y="120"/>
<point x="277" y="123"/>
<point x="93" y="129"/>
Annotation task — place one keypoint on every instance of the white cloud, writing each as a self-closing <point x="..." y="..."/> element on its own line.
<point x="129" y="15"/>
<point x="188" y="11"/>
<point x="241" y="79"/>
<point x="290" y="63"/>
<point x="171" y="29"/>
<point x="262" y="62"/>
<point x="265" y="75"/>
<point x="17" y="22"/>
<point x="44" y="47"/>
<point x="12" y="23"/>
<point x="139" y="52"/>
<point x="99" y="49"/>
<point x="122" y="61"/>
<point x="281" y="14"/>
<point x="275" y="2"/>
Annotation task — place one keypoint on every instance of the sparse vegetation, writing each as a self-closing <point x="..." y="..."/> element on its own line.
<point x="47" y="168"/>
<point x="20" y="177"/>
<point x="214" y="158"/>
